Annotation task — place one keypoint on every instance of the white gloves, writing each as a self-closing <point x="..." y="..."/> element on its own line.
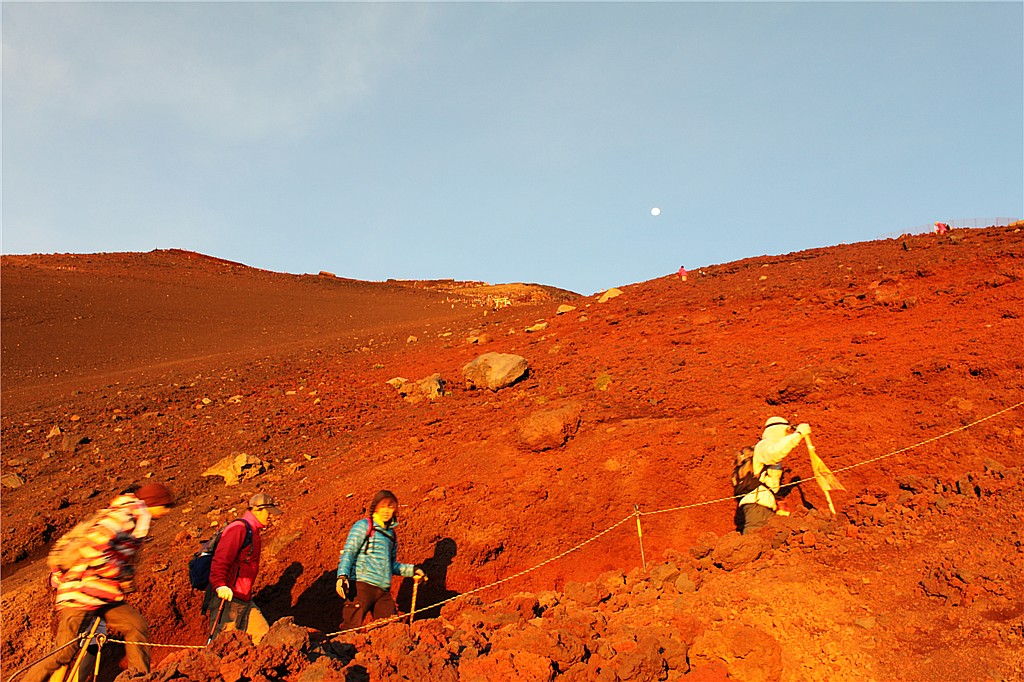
<point x="418" y="573"/>
<point x="341" y="586"/>
<point x="803" y="429"/>
<point x="225" y="593"/>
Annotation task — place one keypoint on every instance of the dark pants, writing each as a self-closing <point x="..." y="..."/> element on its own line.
<point x="236" y="615"/>
<point x="121" y="618"/>
<point x="368" y="599"/>
<point x="755" y="516"/>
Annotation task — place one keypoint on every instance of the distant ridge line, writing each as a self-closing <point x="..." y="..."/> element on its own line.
<point x="956" y="224"/>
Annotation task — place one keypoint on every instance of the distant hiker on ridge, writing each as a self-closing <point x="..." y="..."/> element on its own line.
<point x="92" y="567"/>
<point x="236" y="563"/>
<point x="760" y="476"/>
<point x="367" y="562"/>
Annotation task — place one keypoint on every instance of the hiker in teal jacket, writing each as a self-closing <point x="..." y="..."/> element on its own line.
<point x="367" y="562"/>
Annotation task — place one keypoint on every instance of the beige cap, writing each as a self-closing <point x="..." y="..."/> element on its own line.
<point x="264" y="501"/>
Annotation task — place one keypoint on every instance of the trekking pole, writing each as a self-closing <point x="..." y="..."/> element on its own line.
<point x="216" y="622"/>
<point x="73" y="673"/>
<point x="415" y="589"/>
<point x="640" y="534"/>
<point x="101" y="639"/>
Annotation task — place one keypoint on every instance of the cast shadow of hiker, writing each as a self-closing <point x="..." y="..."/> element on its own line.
<point x="435" y="590"/>
<point x="276" y="600"/>
<point x="796" y="485"/>
<point x="319" y="606"/>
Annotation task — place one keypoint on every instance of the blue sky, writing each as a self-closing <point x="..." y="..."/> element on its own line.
<point x="504" y="141"/>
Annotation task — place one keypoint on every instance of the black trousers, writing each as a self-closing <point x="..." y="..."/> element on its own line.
<point x="368" y="599"/>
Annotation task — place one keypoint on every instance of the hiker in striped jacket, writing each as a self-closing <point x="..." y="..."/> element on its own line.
<point x="93" y="576"/>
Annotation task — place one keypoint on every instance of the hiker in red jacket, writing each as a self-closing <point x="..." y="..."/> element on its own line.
<point x="236" y="562"/>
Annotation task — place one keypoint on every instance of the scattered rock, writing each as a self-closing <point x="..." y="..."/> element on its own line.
<point x="609" y="295"/>
<point x="550" y="428"/>
<point x="494" y="371"/>
<point x="12" y="481"/>
<point x="431" y="387"/>
<point x="539" y="327"/>
<point x="734" y="550"/>
<point x="866" y="622"/>
<point x="992" y="465"/>
<point x="586" y="594"/>
<point x="235" y="468"/>
<point x="507" y="665"/>
<point x="793" y="388"/>
<point x="565" y="308"/>
<point x="70" y="442"/>
<point x="644" y="663"/>
<point x="750" y="653"/>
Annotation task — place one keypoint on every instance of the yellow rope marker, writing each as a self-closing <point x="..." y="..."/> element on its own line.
<point x="825" y="478"/>
<point x="640" y="534"/>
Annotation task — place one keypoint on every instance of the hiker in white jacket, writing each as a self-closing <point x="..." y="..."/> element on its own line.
<point x="777" y="440"/>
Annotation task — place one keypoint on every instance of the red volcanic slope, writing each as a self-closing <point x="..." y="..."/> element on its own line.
<point x="158" y="365"/>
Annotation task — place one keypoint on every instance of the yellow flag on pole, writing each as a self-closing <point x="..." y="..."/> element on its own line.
<point x="825" y="478"/>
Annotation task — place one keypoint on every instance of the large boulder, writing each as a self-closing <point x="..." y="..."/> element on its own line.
<point x="495" y="371"/>
<point x="547" y="429"/>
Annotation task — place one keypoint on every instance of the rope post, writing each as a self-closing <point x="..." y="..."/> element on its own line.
<point x="640" y="534"/>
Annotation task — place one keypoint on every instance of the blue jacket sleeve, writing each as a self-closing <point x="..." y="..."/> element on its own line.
<point x="404" y="570"/>
<point x="347" y="559"/>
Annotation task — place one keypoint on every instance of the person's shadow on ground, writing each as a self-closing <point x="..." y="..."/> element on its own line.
<point x="319" y="606"/>
<point x="275" y="600"/>
<point x="435" y="589"/>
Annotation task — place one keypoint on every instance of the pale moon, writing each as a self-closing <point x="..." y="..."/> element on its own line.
<point x="655" y="211"/>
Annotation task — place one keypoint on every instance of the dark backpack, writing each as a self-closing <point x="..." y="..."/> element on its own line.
<point x="201" y="562"/>
<point x="744" y="480"/>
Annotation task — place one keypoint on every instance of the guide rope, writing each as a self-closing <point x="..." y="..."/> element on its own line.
<point x="636" y="514"/>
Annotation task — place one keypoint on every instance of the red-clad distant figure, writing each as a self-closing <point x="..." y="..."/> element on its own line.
<point x="941" y="228"/>
<point x="682" y="273"/>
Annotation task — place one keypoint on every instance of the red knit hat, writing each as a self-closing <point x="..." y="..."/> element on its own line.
<point x="155" y="495"/>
